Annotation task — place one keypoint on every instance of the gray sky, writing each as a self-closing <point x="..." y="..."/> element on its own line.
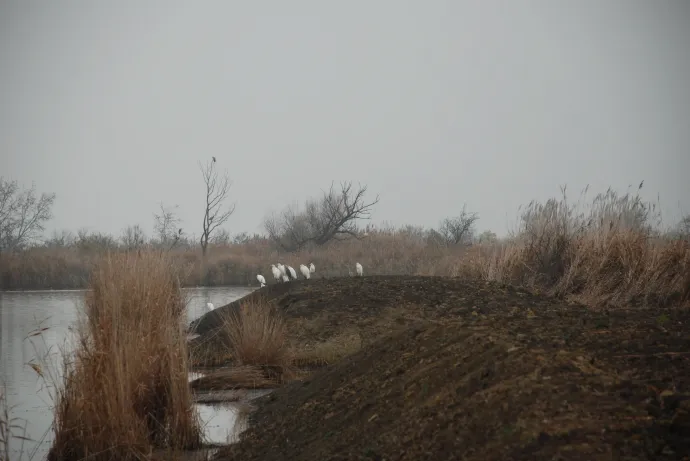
<point x="431" y="103"/>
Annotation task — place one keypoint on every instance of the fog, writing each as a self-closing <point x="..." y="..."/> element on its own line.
<point x="111" y="105"/>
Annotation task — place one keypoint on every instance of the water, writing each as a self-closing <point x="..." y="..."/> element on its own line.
<point x="30" y="396"/>
<point x="224" y="422"/>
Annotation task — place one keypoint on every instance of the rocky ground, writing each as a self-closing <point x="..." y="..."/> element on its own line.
<point x="467" y="370"/>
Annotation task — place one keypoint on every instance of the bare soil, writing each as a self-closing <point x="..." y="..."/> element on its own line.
<point x="451" y="369"/>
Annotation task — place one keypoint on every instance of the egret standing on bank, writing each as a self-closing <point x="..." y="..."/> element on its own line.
<point x="359" y="269"/>
<point x="312" y="268"/>
<point x="293" y="274"/>
<point x="276" y="272"/>
<point x="283" y="272"/>
<point x="305" y="271"/>
<point x="209" y="306"/>
<point x="261" y="280"/>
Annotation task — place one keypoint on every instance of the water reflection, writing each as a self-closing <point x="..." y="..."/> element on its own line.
<point x="30" y="395"/>
<point x="224" y="422"/>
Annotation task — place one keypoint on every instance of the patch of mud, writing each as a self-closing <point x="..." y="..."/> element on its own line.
<point x="441" y="392"/>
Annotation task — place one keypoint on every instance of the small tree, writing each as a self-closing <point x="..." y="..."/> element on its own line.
<point x="459" y="229"/>
<point x="332" y="217"/>
<point x="487" y="237"/>
<point x="94" y="241"/>
<point x="61" y="239"/>
<point x="166" y="226"/>
<point x="133" y="237"/>
<point x="23" y="214"/>
<point x="215" y="213"/>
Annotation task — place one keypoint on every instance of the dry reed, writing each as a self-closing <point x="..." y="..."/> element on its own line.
<point x="606" y="251"/>
<point x="258" y="335"/>
<point x="125" y="388"/>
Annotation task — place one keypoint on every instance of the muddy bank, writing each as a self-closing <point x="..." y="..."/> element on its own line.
<point x="459" y="370"/>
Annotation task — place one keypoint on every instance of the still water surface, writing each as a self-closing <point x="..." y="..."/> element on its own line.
<point x="30" y="396"/>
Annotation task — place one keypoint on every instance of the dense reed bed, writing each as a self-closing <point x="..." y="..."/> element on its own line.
<point x="125" y="389"/>
<point x="608" y="250"/>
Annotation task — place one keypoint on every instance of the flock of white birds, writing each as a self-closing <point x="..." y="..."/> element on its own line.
<point x="284" y="273"/>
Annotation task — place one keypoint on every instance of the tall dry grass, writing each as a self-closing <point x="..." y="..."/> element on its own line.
<point x="603" y="250"/>
<point x="125" y="388"/>
<point x="392" y="251"/>
<point x="258" y="335"/>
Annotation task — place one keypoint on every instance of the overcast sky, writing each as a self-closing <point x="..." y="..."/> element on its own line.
<point x="431" y="103"/>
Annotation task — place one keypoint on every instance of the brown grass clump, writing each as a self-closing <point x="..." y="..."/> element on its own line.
<point x="125" y="389"/>
<point x="607" y="254"/>
<point x="257" y="334"/>
<point x="213" y="350"/>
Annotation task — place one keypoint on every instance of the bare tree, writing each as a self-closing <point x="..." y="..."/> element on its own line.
<point x="332" y="217"/>
<point x="215" y="213"/>
<point x="459" y="229"/>
<point x="167" y="226"/>
<point x="95" y="241"/>
<point x="23" y="214"/>
<point x="61" y="239"/>
<point x="133" y="237"/>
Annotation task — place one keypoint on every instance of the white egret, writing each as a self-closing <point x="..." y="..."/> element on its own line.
<point x="304" y="270"/>
<point x="359" y="269"/>
<point x="276" y="272"/>
<point x="312" y="268"/>
<point x="281" y="267"/>
<point x="261" y="280"/>
<point x="293" y="274"/>
<point x="209" y="306"/>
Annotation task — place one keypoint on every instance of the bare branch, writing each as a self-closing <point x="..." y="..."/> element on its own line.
<point x="332" y="217"/>
<point x="23" y="215"/>
<point x="167" y="226"/>
<point x="133" y="237"/>
<point x="459" y="229"/>
<point x="215" y="214"/>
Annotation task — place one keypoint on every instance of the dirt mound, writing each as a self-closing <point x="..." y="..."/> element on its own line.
<point x="356" y="298"/>
<point x="445" y="392"/>
<point x="475" y="371"/>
